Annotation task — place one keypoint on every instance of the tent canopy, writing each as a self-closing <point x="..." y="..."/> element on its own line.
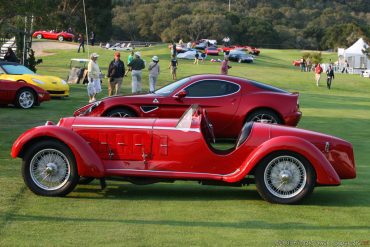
<point x="356" y="48"/>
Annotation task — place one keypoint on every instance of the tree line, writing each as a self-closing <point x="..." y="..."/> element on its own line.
<point x="308" y="24"/>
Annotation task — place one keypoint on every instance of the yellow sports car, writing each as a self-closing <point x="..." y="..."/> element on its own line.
<point x="16" y="72"/>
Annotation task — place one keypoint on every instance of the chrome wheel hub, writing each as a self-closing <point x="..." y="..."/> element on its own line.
<point x="264" y="118"/>
<point x="26" y="99"/>
<point x="285" y="176"/>
<point x="50" y="169"/>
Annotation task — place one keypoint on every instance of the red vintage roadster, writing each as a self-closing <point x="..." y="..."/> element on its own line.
<point x="285" y="163"/>
<point x="230" y="102"/>
<point x="61" y="36"/>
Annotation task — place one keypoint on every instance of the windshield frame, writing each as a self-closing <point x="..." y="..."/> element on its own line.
<point x="172" y="86"/>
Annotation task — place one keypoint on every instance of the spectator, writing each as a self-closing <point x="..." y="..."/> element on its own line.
<point x="136" y="66"/>
<point x="318" y="71"/>
<point x="225" y="66"/>
<point x="203" y="56"/>
<point x="81" y="40"/>
<point x="330" y="76"/>
<point x="346" y="67"/>
<point x="92" y="38"/>
<point x="130" y="57"/>
<point x="116" y="71"/>
<point x="94" y="74"/>
<point x="153" y="73"/>
<point x="10" y="56"/>
<point x="302" y="64"/>
<point x="308" y="65"/>
<point x="196" y="59"/>
<point x="173" y="50"/>
<point x="173" y="66"/>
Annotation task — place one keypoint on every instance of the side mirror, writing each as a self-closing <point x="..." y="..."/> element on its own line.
<point x="181" y="94"/>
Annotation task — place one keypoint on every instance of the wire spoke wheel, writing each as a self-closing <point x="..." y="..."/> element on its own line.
<point x="120" y="114"/>
<point x="26" y="99"/>
<point x="50" y="169"/>
<point x="285" y="176"/>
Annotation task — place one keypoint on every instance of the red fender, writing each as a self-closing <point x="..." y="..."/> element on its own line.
<point x="88" y="162"/>
<point x="326" y="175"/>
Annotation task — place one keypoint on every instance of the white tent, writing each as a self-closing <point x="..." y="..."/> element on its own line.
<point x="356" y="59"/>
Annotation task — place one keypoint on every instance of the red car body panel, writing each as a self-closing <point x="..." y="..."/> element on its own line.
<point x="159" y="148"/>
<point x="249" y="49"/>
<point x="53" y="35"/>
<point x="212" y="51"/>
<point x="227" y="113"/>
<point x="9" y="90"/>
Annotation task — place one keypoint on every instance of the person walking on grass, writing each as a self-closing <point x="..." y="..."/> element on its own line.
<point x="136" y="66"/>
<point x="116" y="71"/>
<point x="173" y="66"/>
<point x="81" y="42"/>
<point x="94" y="74"/>
<point x="330" y="76"/>
<point x="225" y="66"/>
<point x="153" y="73"/>
<point x="318" y="71"/>
<point x="196" y="58"/>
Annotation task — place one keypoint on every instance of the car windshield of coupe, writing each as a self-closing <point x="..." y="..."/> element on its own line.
<point x="12" y="69"/>
<point x="170" y="88"/>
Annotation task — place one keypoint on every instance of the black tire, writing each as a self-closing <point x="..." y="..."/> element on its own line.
<point x="61" y="167"/>
<point x="60" y="38"/>
<point x="25" y="98"/>
<point x="299" y="176"/>
<point x="120" y="112"/>
<point x="39" y="36"/>
<point x="264" y="116"/>
<point x="85" y="180"/>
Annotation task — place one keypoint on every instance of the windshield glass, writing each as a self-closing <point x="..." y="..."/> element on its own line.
<point x="170" y="88"/>
<point x="12" y="69"/>
<point x="187" y="117"/>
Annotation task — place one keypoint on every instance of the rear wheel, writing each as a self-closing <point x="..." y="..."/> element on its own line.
<point x="285" y="177"/>
<point x="25" y="98"/>
<point x="60" y="38"/>
<point x="49" y="169"/>
<point x="120" y="112"/>
<point x="264" y="116"/>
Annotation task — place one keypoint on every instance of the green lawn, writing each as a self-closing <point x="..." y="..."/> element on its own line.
<point x="185" y="213"/>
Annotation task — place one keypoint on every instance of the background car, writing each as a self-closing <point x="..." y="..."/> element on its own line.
<point x="16" y="72"/>
<point x="189" y="54"/>
<point x="53" y="35"/>
<point x="240" y="56"/>
<point x="21" y="94"/>
<point x="212" y="51"/>
<point x="230" y="102"/>
<point x="366" y="73"/>
<point x="285" y="163"/>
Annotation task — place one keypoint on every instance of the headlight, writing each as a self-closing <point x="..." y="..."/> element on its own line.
<point x="38" y="81"/>
<point x="64" y="82"/>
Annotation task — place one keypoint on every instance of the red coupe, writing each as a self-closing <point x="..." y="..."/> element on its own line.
<point x="53" y="35"/>
<point x="285" y="163"/>
<point x="212" y="51"/>
<point x="21" y="94"/>
<point x="230" y="102"/>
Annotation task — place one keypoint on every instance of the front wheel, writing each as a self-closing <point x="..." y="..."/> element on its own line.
<point x="285" y="177"/>
<point x="60" y="38"/>
<point x="120" y="112"/>
<point x="49" y="169"/>
<point x="39" y="36"/>
<point x="25" y="98"/>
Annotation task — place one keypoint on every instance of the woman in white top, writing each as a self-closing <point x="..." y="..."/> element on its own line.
<point x="153" y="73"/>
<point x="93" y="87"/>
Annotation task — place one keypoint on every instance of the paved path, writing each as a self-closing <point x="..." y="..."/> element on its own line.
<point x="40" y="46"/>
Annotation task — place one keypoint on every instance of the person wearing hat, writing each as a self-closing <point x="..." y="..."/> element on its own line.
<point x="136" y="66"/>
<point x="116" y="71"/>
<point x="153" y="73"/>
<point x="93" y="74"/>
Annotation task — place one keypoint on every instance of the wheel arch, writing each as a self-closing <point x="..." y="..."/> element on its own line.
<point x="126" y="107"/>
<point x="88" y="162"/>
<point x="253" y="110"/>
<point x="325" y="173"/>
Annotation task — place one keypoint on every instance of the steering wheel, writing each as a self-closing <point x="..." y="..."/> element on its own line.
<point x="209" y="126"/>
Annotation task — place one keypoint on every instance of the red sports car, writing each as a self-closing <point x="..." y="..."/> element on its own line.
<point x="285" y="163"/>
<point x="53" y="35"/>
<point x="230" y="102"/>
<point x="21" y="94"/>
<point x="212" y="51"/>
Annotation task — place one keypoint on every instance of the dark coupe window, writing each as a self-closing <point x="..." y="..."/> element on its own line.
<point x="211" y="88"/>
<point x="170" y="88"/>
